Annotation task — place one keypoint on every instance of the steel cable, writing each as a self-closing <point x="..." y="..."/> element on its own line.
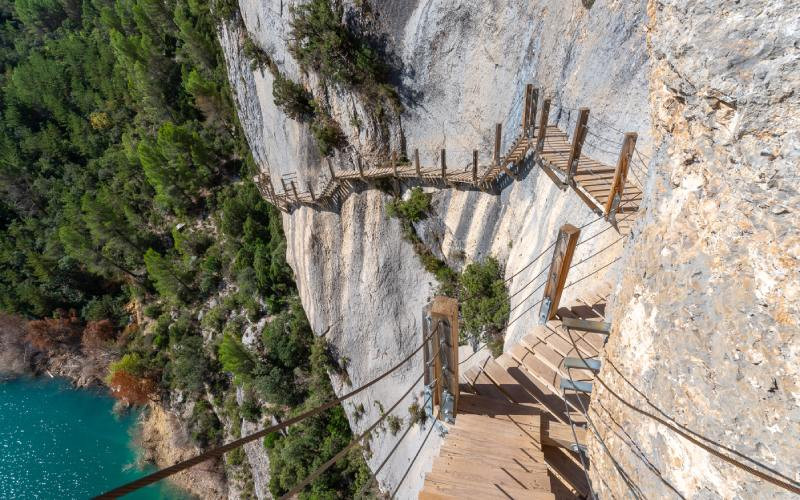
<point x="220" y="450"/>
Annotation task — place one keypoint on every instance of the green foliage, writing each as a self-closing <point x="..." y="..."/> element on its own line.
<point x="131" y="363"/>
<point x="204" y="426"/>
<point x="292" y="98"/>
<point x="328" y="134"/>
<point x="485" y="307"/>
<point x="189" y="366"/>
<point x="414" y="209"/>
<point x="322" y="42"/>
<point x="165" y="277"/>
<point x="235" y="358"/>
<point x="417" y="414"/>
<point x="395" y="423"/>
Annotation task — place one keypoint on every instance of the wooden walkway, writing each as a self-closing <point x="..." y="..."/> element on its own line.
<point x="606" y="189"/>
<point x="513" y="435"/>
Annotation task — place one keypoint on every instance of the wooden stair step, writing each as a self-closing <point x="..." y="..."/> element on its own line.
<point x="540" y="391"/>
<point x="507" y="383"/>
<point x="526" y="465"/>
<point x="477" y="471"/>
<point x="485" y="387"/>
<point x="447" y="485"/>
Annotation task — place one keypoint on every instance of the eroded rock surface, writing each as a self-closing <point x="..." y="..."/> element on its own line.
<point x="464" y="66"/>
<point x="707" y="309"/>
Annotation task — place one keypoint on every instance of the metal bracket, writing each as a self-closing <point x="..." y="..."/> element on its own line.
<point x="447" y="406"/>
<point x="544" y="312"/>
<point x="427" y="396"/>
<point x="612" y="214"/>
<point x="579" y="448"/>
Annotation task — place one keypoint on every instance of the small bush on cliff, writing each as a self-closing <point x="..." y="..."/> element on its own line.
<point x="292" y="98"/>
<point x="204" y="426"/>
<point x="328" y="134"/>
<point x="485" y="306"/>
<point x="414" y="209"/>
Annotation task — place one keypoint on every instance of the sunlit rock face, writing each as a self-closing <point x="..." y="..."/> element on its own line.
<point x="707" y="307"/>
<point x="461" y="67"/>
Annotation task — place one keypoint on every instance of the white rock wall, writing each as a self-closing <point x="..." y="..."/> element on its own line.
<point x="465" y="64"/>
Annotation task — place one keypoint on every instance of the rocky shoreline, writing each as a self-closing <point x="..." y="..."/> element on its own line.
<point x="160" y="435"/>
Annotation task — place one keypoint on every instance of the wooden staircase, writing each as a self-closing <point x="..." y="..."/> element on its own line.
<point x="512" y="437"/>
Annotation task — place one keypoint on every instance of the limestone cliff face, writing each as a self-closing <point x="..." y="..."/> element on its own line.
<point x="709" y="303"/>
<point x="464" y="66"/>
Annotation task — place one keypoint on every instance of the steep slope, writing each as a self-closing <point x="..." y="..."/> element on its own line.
<point x="707" y="310"/>
<point x="464" y="66"/>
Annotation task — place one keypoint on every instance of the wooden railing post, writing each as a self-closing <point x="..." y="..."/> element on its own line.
<point x="285" y="190"/>
<point x="559" y="268"/>
<point x="475" y="166"/>
<point x="311" y="192"/>
<point x="440" y="322"/>
<point x="498" y="131"/>
<point x="294" y="190"/>
<point x="620" y="174"/>
<point x="526" y="117"/>
<point x="577" y="144"/>
<point x="543" y="117"/>
<point x="360" y="167"/>
<point x="444" y="166"/>
<point x="394" y="163"/>
<point x="416" y="163"/>
<point x="532" y="113"/>
<point x="330" y="168"/>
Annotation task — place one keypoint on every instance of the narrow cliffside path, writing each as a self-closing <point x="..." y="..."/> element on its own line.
<point x="518" y="433"/>
<point x="604" y="188"/>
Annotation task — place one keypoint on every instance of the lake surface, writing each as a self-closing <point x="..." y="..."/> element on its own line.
<point x="57" y="442"/>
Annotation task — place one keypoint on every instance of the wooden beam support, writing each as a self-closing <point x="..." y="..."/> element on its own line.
<point x="360" y="167"/>
<point x="416" y="162"/>
<point x="444" y="166"/>
<point x="330" y="168"/>
<point x="311" y="192"/>
<point x="526" y="109"/>
<point x="475" y="166"/>
<point x="620" y="174"/>
<point x="543" y="117"/>
<point x="578" y="137"/>
<point x="294" y="190"/>
<point x="532" y="113"/>
<point x="559" y="268"/>
<point x="285" y="190"/>
<point x="498" y="132"/>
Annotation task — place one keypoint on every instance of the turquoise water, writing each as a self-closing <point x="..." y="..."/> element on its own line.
<point x="57" y="442"/>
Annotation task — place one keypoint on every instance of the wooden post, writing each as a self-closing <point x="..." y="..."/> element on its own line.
<point x="285" y="191"/>
<point x="621" y="173"/>
<point x="394" y="163"/>
<point x="360" y="167"/>
<point x="559" y="268"/>
<point x="416" y="162"/>
<point x="311" y="192"/>
<point x="330" y="168"/>
<point x="475" y="166"/>
<point x="577" y="144"/>
<point x="543" y="117"/>
<point x="443" y="316"/>
<point x="532" y="114"/>
<point x="526" y="109"/>
<point x="444" y="167"/>
<point x="497" y="135"/>
<point x="294" y="190"/>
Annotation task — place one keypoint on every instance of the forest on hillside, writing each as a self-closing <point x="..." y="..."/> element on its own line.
<point x="129" y="221"/>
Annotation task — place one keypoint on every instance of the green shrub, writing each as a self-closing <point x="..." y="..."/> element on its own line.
<point x="417" y="414"/>
<point x="250" y="409"/>
<point x="328" y="134"/>
<point x="414" y="209"/>
<point x="323" y="43"/>
<point x="485" y="307"/>
<point x="292" y="98"/>
<point x="235" y="358"/>
<point x="259" y="59"/>
<point x="395" y="423"/>
<point x="189" y="367"/>
<point x="204" y="426"/>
